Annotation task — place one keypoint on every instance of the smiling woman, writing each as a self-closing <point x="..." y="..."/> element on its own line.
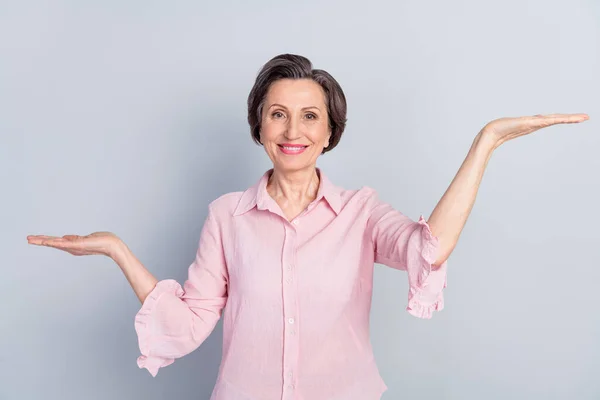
<point x="292" y="256"/>
<point x="294" y="123"/>
<point x="319" y="97"/>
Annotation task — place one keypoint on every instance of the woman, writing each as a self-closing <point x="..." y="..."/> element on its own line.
<point x="292" y="256"/>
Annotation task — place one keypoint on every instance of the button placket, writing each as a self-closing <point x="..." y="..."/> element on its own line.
<point x="290" y="349"/>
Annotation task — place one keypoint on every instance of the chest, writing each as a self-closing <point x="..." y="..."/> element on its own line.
<point x="319" y="255"/>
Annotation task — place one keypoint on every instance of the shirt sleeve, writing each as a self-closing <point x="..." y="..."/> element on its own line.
<point x="174" y="321"/>
<point x="402" y="243"/>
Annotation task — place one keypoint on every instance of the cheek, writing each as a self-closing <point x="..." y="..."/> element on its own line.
<point x="267" y="133"/>
<point x="320" y="135"/>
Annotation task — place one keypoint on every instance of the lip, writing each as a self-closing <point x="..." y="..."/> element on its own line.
<point x="292" y="149"/>
<point x="292" y="145"/>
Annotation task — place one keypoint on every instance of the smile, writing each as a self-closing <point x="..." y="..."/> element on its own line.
<point x="292" y="150"/>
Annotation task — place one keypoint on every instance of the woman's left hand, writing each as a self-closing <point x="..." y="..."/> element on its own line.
<point x="504" y="129"/>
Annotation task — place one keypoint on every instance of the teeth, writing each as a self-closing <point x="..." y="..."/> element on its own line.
<point x="293" y="148"/>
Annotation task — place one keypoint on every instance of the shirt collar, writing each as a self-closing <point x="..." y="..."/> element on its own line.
<point x="257" y="196"/>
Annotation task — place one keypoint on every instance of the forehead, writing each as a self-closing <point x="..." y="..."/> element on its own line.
<point x="305" y="92"/>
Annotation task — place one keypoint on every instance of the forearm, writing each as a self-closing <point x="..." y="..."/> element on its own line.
<point x="450" y="214"/>
<point x="140" y="279"/>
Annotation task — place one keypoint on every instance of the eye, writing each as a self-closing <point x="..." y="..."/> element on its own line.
<point x="311" y="116"/>
<point x="277" y="114"/>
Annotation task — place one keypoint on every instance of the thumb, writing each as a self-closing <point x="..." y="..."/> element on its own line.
<point x="70" y="237"/>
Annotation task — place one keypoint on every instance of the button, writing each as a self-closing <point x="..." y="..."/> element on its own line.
<point x="289" y="267"/>
<point x="292" y="332"/>
<point x="289" y="280"/>
<point x="289" y="374"/>
<point x="291" y="386"/>
<point x="295" y="222"/>
<point x="291" y="320"/>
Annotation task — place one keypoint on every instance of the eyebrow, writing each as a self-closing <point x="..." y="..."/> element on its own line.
<point x="282" y="106"/>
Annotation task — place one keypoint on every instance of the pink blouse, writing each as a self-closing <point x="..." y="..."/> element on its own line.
<point x="295" y="296"/>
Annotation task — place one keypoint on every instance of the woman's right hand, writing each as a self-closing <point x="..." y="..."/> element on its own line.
<point x="107" y="244"/>
<point x="97" y="243"/>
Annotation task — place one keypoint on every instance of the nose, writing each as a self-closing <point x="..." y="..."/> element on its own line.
<point x="293" y="129"/>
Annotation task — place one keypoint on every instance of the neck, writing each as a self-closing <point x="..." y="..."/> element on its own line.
<point x="297" y="187"/>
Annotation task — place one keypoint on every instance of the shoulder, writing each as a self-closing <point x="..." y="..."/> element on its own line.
<point x="365" y="196"/>
<point x="225" y="205"/>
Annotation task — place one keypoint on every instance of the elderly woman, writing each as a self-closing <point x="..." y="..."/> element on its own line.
<point x="292" y="257"/>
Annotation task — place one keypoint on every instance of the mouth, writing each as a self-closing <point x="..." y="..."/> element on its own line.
<point x="291" y="149"/>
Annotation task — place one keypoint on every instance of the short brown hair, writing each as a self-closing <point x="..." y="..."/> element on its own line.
<point x="292" y="66"/>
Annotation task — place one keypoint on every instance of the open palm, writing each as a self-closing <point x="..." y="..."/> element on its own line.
<point x="504" y="129"/>
<point x="97" y="243"/>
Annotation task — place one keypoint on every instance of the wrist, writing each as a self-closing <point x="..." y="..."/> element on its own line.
<point x="118" y="251"/>
<point x="485" y="142"/>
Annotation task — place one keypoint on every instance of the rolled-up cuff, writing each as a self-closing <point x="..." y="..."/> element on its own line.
<point x="425" y="293"/>
<point x="143" y="325"/>
<point x="153" y="364"/>
<point x="422" y="309"/>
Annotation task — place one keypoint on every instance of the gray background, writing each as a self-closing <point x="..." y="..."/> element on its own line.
<point x="129" y="116"/>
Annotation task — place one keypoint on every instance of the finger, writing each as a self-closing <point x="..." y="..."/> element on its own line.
<point x="582" y="115"/>
<point x="58" y="242"/>
<point x="36" y="239"/>
<point x="553" y="119"/>
<point x="53" y="242"/>
<point x="39" y="239"/>
<point x="570" y="117"/>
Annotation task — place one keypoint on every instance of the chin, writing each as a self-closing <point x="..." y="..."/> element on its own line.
<point x="291" y="166"/>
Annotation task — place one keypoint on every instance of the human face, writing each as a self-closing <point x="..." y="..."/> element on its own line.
<point x="294" y="125"/>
